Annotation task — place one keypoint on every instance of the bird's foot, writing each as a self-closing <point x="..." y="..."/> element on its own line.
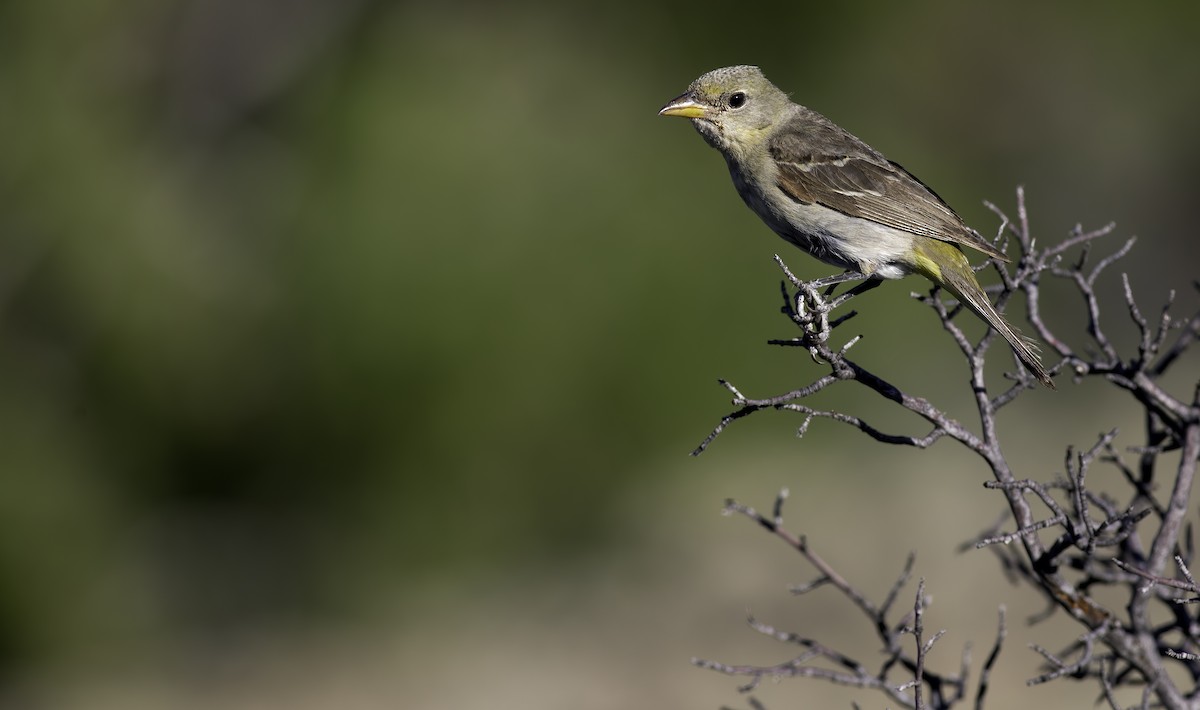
<point x="831" y="282"/>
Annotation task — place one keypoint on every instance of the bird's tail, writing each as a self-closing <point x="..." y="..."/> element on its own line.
<point x="953" y="272"/>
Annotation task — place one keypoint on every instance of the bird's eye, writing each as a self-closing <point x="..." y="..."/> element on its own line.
<point x="737" y="99"/>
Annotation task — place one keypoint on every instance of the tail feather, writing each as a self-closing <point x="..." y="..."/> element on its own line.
<point x="960" y="281"/>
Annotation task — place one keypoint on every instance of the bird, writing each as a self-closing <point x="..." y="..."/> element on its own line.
<point x="837" y="198"/>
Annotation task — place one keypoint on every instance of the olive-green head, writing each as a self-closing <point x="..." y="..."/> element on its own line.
<point x="733" y="108"/>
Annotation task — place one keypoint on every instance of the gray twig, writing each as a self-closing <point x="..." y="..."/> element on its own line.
<point x="1140" y="532"/>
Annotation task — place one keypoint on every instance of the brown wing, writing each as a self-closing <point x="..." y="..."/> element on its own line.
<point x="820" y="163"/>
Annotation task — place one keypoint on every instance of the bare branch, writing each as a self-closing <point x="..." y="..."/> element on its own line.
<point x="985" y="674"/>
<point x="1082" y="541"/>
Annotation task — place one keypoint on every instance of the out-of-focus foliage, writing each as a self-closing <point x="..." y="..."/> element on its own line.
<point x="304" y="302"/>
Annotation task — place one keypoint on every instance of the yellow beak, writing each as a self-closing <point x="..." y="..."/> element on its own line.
<point x="684" y="107"/>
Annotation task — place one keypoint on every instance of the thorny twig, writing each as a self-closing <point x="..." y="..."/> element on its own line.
<point x="921" y="688"/>
<point x="1084" y="541"/>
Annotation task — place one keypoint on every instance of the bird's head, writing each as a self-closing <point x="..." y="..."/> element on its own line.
<point x="733" y="108"/>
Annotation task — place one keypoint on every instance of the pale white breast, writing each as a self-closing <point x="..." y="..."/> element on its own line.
<point x="834" y="238"/>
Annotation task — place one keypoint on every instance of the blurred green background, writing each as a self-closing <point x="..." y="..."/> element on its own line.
<point x="352" y="350"/>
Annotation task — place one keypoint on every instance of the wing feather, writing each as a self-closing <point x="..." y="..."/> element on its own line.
<point x="820" y="163"/>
